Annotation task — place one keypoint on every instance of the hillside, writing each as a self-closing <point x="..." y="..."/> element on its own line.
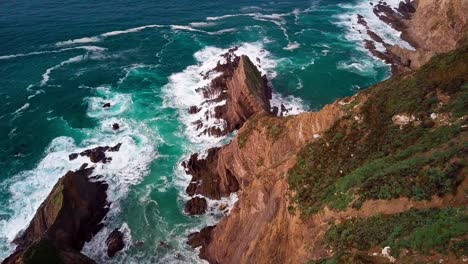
<point x="385" y="167"/>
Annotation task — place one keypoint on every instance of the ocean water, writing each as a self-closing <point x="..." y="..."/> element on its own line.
<point x="60" y="62"/>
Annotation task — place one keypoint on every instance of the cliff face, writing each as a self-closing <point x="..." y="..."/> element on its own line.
<point x="239" y="91"/>
<point x="437" y="27"/>
<point x="246" y="93"/>
<point x="430" y="27"/>
<point x="70" y="216"/>
<point x="303" y="178"/>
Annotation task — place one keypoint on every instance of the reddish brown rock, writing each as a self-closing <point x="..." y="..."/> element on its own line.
<point x="245" y="90"/>
<point x="196" y="206"/>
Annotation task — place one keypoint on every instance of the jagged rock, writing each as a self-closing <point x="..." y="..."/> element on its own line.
<point x="106" y="105"/>
<point x="244" y="89"/>
<point x="114" y="242"/>
<point x="73" y="156"/>
<point x="96" y="154"/>
<point x="196" y="206"/>
<point x="83" y="166"/>
<point x="201" y="238"/>
<point x="206" y="179"/>
<point x="70" y="216"/>
<point x="115" y="148"/>
<point x="194" y="109"/>
<point x="115" y="126"/>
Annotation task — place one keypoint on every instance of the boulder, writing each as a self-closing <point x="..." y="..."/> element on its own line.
<point x="196" y="206"/>
<point x="114" y="242"/>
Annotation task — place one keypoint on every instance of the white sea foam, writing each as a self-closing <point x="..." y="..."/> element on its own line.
<point x="223" y="31"/>
<point x="21" y="109"/>
<point x="46" y="74"/>
<point x="100" y="37"/>
<point x="202" y="24"/>
<point x="358" y="33"/>
<point x="78" y="41"/>
<point x="361" y="67"/>
<point x="186" y="28"/>
<point x="292" y="46"/>
<point x="87" y="48"/>
<point x="120" y="103"/>
<point x="126" y="31"/>
<point x="293" y="104"/>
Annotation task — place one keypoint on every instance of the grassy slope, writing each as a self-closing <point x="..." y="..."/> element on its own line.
<point x="377" y="159"/>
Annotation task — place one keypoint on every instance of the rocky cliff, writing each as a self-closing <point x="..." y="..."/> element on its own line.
<point x="309" y="184"/>
<point x="246" y="93"/>
<point x="238" y="92"/>
<point x="430" y="27"/>
<point x="70" y="216"/>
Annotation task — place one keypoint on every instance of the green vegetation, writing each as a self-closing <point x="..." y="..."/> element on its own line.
<point x="42" y="252"/>
<point x="57" y="197"/>
<point x="344" y="258"/>
<point x="421" y="231"/>
<point x="377" y="159"/>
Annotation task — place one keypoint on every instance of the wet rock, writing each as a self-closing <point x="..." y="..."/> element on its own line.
<point x="96" y="154"/>
<point x="201" y="238"/>
<point x="115" y="242"/>
<point x="115" y="126"/>
<point x="72" y="156"/>
<point x="206" y="179"/>
<point x="194" y="109"/>
<point x="106" y="105"/>
<point x="222" y="207"/>
<point x="196" y="206"/>
<point x="115" y="148"/>
<point x="83" y="166"/>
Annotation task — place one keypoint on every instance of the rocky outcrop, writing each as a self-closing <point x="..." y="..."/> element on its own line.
<point x="246" y="93"/>
<point x="431" y="27"/>
<point x="243" y="89"/>
<point x="201" y="239"/>
<point x="259" y="227"/>
<point x="206" y="179"/>
<point x="435" y="27"/>
<point x="69" y="217"/>
<point x="196" y="206"/>
<point x="263" y="226"/>
<point x="97" y="154"/>
<point x="115" y="242"/>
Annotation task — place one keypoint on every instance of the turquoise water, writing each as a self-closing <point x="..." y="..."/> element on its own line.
<point x="60" y="62"/>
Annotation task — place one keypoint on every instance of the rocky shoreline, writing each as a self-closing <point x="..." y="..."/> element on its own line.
<point x="414" y="19"/>
<point x="71" y="215"/>
<point x="256" y="163"/>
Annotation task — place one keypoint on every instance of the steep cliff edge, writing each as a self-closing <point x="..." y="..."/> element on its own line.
<point x="309" y="184"/>
<point x="430" y="27"/>
<point x="437" y="27"/>
<point x="70" y="216"/>
<point x="237" y="92"/>
<point x="246" y="93"/>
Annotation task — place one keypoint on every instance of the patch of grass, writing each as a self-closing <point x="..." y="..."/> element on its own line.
<point x="376" y="159"/>
<point x="422" y="231"/>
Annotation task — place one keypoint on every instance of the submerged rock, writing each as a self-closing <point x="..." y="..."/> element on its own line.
<point x="115" y="242"/>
